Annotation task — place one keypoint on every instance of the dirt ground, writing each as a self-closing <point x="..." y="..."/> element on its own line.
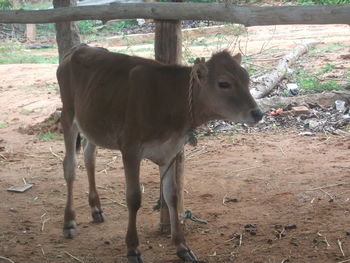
<point x="286" y="196"/>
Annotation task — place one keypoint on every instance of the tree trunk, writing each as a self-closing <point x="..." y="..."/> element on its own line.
<point x="67" y="34"/>
<point x="264" y="84"/>
<point x="168" y="50"/>
<point x="326" y="98"/>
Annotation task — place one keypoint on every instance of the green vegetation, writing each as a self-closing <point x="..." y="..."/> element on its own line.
<point x="26" y="112"/>
<point x="323" y="2"/>
<point x="48" y="136"/>
<point x="15" y="53"/>
<point x="311" y="84"/>
<point x="5" y="4"/>
<point x="3" y="125"/>
<point x="330" y="48"/>
<point x="35" y="6"/>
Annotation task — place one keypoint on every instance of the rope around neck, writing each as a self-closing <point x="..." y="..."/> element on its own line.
<point x="194" y="78"/>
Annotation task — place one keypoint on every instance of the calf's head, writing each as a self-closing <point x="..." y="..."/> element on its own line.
<point x="224" y="90"/>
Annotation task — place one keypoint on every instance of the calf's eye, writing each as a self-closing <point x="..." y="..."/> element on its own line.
<point x="224" y="85"/>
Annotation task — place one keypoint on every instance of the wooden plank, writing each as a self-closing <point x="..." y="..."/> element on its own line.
<point x="168" y="50"/>
<point x="246" y="15"/>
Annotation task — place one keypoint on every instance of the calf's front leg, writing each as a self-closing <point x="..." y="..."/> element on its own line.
<point x="133" y="199"/>
<point x="170" y="193"/>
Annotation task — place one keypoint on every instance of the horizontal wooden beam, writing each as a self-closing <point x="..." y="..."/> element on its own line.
<point x="246" y="15"/>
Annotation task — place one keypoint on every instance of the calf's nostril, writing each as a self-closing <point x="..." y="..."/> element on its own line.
<point x="257" y="114"/>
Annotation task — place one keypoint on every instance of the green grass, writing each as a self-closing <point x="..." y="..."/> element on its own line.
<point x="26" y="112"/>
<point x="3" y="125"/>
<point x="331" y="48"/>
<point x="34" y="6"/>
<point x="49" y="136"/>
<point x="15" y="53"/>
<point x="324" y="2"/>
<point x="311" y="84"/>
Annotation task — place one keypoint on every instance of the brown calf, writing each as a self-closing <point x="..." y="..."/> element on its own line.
<point x="144" y="109"/>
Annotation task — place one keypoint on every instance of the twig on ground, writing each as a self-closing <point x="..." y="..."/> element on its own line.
<point x="326" y="241"/>
<point x="327" y="186"/>
<point x="330" y="196"/>
<point x="224" y="199"/>
<point x="44" y="214"/>
<point x="281" y="149"/>
<point x="73" y="257"/>
<point x="43" y="224"/>
<point x="3" y="157"/>
<point x="24" y="181"/>
<point x="340" y="247"/>
<point x="280" y="234"/>
<point x="240" y="240"/>
<point x="116" y="202"/>
<point x="196" y="152"/>
<point x="8" y="259"/>
<point x="56" y="155"/>
<point x="103" y="171"/>
<point x="343" y="261"/>
<point x="245" y="169"/>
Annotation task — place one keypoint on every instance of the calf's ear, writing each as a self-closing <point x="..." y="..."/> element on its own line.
<point x="201" y="68"/>
<point x="238" y="58"/>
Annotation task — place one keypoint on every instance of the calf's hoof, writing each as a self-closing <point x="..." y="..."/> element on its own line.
<point x="135" y="259"/>
<point x="69" y="229"/>
<point x="186" y="254"/>
<point x="98" y="216"/>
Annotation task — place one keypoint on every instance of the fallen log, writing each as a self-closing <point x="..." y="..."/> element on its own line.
<point x="326" y="98"/>
<point x="264" y="84"/>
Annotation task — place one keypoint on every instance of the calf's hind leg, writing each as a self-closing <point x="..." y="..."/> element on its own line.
<point x="94" y="200"/>
<point x="69" y="166"/>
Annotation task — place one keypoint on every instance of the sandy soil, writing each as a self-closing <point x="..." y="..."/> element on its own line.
<point x="286" y="195"/>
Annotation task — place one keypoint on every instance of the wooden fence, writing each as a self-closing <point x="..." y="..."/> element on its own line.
<point x="246" y="15"/>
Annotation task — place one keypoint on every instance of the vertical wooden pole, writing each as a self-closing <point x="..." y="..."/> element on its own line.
<point x="67" y="34"/>
<point x="168" y="50"/>
<point x="31" y="32"/>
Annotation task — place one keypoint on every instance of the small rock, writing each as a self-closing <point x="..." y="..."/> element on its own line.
<point x="252" y="232"/>
<point x="140" y="21"/>
<point x="249" y="226"/>
<point x="348" y="233"/>
<point x="293" y="89"/>
<point x="269" y="241"/>
<point x="107" y="242"/>
<point x="290" y="227"/>
<point x="340" y="105"/>
<point x="313" y="124"/>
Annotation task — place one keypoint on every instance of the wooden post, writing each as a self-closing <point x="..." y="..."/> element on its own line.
<point x="31" y="32"/>
<point x="67" y="34"/>
<point x="168" y="49"/>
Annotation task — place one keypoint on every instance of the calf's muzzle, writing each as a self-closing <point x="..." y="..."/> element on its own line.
<point x="257" y="114"/>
